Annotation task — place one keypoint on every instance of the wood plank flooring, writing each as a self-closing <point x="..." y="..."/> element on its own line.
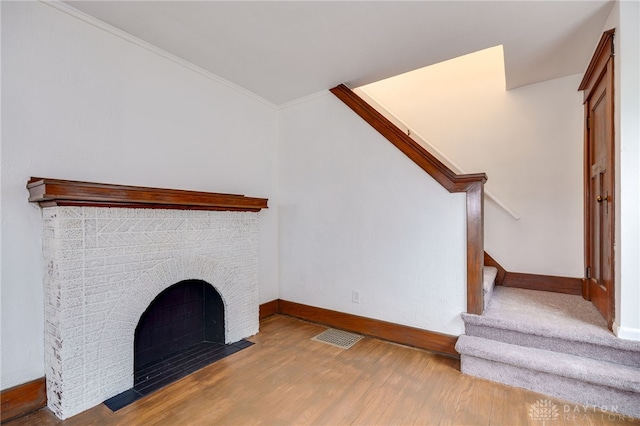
<point x="288" y="379"/>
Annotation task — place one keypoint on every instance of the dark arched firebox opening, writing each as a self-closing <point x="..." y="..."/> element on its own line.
<point x="186" y="314"/>
<point x="181" y="331"/>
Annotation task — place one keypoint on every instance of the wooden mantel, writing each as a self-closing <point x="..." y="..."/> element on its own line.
<point x="55" y="192"/>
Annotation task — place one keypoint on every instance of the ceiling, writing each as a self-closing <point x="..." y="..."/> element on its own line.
<point x="286" y="50"/>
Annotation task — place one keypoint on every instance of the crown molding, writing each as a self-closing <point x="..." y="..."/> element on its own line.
<point x="88" y="19"/>
<point x="304" y="99"/>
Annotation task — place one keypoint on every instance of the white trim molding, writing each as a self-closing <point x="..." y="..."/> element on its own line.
<point x="71" y="11"/>
<point x="626" y="333"/>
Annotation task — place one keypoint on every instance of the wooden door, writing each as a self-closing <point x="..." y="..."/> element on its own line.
<point x="599" y="176"/>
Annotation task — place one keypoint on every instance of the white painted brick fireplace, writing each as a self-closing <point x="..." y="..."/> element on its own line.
<point x="104" y="266"/>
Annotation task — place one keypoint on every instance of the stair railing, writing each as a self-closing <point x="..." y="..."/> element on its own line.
<point x="429" y="146"/>
<point x="471" y="184"/>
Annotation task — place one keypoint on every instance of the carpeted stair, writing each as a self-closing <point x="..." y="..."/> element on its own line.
<point x="488" y="282"/>
<point x="555" y="344"/>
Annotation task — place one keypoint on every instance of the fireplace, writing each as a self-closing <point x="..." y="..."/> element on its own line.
<point x="110" y="251"/>
<point x="181" y="332"/>
<point x="184" y="315"/>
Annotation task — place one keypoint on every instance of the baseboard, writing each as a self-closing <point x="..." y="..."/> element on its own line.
<point x="405" y="335"/>
<point x="490" y="261"/>
<point x="23" y="399"/>
<point x="553" y="284"/>
<point x="627" y="333"/>
<point x="269" y="308"/>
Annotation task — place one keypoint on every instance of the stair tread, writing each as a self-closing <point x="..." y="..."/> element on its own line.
<point x="579" y="368"/>
<point x="489" y="275"/>
<point x="551" y="315"/>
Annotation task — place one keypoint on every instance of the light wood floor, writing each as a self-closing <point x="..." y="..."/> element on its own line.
<point x="287" y="379"/>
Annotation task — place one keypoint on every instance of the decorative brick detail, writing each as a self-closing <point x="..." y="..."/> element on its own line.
<point x="103" y="268"/>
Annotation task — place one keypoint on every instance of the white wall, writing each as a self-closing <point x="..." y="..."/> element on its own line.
<point x="80" y="103"/>
<point x="357" y="214"/>
<point x="625" y="16"/>
<point x="528" y="141"/>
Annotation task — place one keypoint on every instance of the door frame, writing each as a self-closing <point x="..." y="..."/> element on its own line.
<point x="600" y="66"/>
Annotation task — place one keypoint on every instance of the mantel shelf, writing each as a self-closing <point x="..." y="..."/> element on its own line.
<point x="55" y="192"/>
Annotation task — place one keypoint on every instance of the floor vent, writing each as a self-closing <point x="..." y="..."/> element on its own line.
<point x="338" y="338"/>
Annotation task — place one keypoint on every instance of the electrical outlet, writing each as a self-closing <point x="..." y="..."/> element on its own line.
<point x="355" y="296"/>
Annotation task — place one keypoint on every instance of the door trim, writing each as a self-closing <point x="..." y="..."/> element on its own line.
<point x="600" y="64"/>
